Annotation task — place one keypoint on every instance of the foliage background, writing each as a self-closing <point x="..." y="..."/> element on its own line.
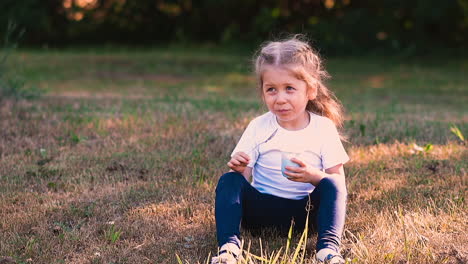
<point x="111" y="153"/>
<point x="339" y="26"/>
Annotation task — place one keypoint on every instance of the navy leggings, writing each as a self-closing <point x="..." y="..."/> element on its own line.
<point x="238" y="202"/>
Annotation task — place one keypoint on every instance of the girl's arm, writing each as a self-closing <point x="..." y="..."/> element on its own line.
<point x="337" y="170"/>
<point x="239" y="162"/>
<point x="247" y="173"/>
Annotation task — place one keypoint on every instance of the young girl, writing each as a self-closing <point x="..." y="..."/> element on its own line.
<point x="300" y="131"/>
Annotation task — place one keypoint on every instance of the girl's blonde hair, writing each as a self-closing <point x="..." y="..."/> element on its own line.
<point x="297" y="55"/>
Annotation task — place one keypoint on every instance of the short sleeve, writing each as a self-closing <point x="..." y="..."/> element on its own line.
<point x="247" y="144"/>
<point x="332" y="150"/>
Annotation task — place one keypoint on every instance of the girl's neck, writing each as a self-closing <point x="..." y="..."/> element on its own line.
<point x="297" y="124"/>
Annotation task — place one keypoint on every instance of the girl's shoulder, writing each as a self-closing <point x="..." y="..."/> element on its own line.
<point x="319" y="118"/>
<point x="267" y="119"/>
<point x="262" y="125"/>
<point x="322" y="123"/>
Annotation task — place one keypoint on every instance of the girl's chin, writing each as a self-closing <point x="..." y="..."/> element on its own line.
<point x="284" y="118"/>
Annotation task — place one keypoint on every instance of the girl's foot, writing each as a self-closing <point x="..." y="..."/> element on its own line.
<point x="329" y="256"/>
<point x="229" y="253"/>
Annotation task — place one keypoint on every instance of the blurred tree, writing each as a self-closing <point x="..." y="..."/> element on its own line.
<point x="40" y="18"/>
<point x="337" y="25"/>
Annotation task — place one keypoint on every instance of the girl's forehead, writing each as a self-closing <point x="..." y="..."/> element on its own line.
<point x="280" y="72"/>
<point x="288" y="68"/>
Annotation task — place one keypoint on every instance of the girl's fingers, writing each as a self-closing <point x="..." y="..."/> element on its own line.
<point x="291" y="175"/>
<point x="295" y="169"/>
<point x="302" y="164"/>
<point x="234" y="167"/>
<point x="244" y="155"/>
<point x="242" y="159"/>
<point x="236" y="163"/>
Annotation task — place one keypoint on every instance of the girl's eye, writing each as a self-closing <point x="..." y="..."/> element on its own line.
<point x="290" y="88"/>
<point x="269" y="90"/>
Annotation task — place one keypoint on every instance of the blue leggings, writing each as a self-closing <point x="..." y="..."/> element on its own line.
<point x="238" y="202"/>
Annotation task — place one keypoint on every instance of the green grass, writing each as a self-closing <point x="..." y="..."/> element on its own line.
<point x="139" y="138"/>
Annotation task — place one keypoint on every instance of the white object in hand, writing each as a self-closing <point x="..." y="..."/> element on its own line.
<point x="286" y="161"/>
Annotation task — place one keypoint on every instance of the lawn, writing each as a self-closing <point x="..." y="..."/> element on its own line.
<point x="118" y="161"/>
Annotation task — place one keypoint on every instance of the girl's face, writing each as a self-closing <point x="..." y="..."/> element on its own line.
<point x="286" y="96"/>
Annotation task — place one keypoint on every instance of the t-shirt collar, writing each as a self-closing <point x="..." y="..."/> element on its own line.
<point x="276" y="125"/>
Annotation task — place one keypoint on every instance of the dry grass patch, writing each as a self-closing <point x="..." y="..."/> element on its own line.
<point x="131" y="179"/>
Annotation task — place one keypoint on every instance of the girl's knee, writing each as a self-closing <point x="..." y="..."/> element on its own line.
<point x="333" y="183"/>
<point x="230" y="179"/>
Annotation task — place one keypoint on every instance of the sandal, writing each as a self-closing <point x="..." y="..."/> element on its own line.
<point x="224" y="257"/>
<point x="334" y="259"/>
<point x="228" y="254"/>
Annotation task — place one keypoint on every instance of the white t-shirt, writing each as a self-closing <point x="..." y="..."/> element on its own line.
<point x="319" y="146"/>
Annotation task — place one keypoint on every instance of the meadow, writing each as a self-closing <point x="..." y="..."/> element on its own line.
<point x="118" y="160"/>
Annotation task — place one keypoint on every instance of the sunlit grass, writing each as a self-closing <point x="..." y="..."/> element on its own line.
<point x="118" y="162"/>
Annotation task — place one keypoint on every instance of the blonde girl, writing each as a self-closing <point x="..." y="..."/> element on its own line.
<point x="286" y="157"/>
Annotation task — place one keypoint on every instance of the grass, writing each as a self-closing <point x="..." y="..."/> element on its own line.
<point x="118" y="161"/>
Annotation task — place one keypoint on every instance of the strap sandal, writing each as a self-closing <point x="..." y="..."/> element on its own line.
<point x="334" y="259"/>
<point x="225" y="257"/>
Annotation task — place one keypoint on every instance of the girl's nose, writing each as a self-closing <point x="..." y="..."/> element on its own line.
<point x="281" y="98"/>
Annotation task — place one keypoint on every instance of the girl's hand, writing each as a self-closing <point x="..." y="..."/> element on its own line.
<point x="304" y="173"/>
<point x="239" y="162"/>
